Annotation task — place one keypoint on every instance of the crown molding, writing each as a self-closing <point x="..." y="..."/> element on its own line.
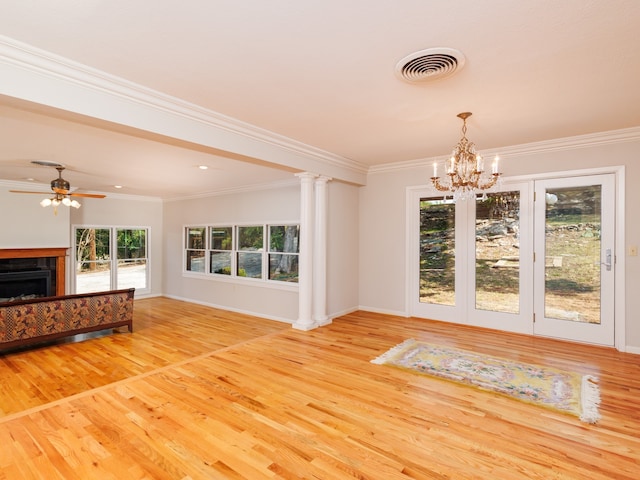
<point x="568" y="143"/>
<point x="47" y="64"/>
<point x="14" y="184"/>
<point x="236" y="190"/>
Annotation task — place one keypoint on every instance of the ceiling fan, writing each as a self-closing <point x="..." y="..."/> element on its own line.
<point x="61" y="189"/>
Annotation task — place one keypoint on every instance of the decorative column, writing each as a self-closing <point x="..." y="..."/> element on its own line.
<point x="305" y="262"/>
<point x="320" y="253"/>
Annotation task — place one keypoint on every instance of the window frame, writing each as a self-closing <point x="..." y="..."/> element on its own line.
<point x="114" y="259"/>
<point x="234" y="276"/>
<point x="189" y="248"/>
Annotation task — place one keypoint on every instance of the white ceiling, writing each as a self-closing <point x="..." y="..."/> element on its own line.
<point x="321" y="72"/>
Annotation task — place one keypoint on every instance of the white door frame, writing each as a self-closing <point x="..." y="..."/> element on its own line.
<point x="602" y="333"/>
<point x="414" y="193"/>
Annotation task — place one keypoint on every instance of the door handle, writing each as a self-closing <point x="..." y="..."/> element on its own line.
<point x="607" y="259"/>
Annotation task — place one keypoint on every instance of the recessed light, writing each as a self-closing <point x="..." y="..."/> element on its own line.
<point x="203" y="167"/>
<point x="117" y="186"/>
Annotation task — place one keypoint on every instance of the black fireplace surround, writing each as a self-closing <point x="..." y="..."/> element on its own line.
<point x="26" y="278"/>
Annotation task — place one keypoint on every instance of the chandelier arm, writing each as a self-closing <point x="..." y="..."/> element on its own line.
<point x="491" y="182"/>
<point x="439" y="186"/>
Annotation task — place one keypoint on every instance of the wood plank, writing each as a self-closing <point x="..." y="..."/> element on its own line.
<point x="235" y="397"/>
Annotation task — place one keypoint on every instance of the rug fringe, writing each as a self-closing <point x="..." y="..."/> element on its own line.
<point x="590" y="399"/>
<point x="392" y="351"/>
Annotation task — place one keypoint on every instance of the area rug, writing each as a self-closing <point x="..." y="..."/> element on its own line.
<point x="566" y="392"/>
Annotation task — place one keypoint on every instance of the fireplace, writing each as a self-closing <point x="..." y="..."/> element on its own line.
<point x="31" y="272"/>
<point x="24" y="285"/>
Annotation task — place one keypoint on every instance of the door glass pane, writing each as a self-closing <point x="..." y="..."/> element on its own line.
<point x="93" y="260"/>
<point x="572" y="245"/>
<point x="132" y="258"/>
<point x="437" y="251"/>
<point x="132" y="274"/>
<point x="497" y="252"/>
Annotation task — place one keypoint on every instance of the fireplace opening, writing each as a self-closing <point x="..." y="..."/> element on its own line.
<point x="24" y="285"/>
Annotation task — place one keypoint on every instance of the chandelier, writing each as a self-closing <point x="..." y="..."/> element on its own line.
<point x="465" y="170"/>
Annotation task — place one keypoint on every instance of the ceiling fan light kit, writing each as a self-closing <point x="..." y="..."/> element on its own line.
<point x="61" y="189"/>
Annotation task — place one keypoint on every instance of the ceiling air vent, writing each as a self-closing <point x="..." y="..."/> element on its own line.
<point x="429" y="65"/>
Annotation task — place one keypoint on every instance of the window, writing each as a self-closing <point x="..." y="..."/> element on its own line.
<point x="250" y="248"/>
<point x="283" y="252"/>
<point x="195" y="248"/>
<point x="98" y="269"/>
<point x="263" y="252"/>
<point x="221" y="247"/>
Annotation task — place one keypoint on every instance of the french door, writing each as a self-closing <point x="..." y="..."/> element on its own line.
<point x="575" y="259"/>
<point x="108" y="258"/>
<point x="531" y="258"/>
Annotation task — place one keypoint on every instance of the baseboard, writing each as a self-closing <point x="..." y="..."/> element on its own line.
<point x="634" y="350"/>
<point x="343" y="312"/>
<point x="230" y="309"/>
<point x="397" y="313"/>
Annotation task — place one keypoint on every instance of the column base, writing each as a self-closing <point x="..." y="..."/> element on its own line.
<point x="305" y="325"/>
<point x="323" y="321"/>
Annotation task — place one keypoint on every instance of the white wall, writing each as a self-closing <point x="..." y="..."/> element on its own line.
<point x="342" y="249"/>
<point x="382" y="220"/>
<point x="25" y="224"/>
<point x="263" y="206"/>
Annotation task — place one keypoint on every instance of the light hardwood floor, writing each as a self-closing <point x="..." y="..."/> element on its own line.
<point x="199" y="393"/>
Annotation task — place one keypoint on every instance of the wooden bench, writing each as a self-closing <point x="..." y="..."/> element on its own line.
<point x="25" y="322"/>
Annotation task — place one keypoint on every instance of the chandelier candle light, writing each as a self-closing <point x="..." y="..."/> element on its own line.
<point x="465" y="169"/>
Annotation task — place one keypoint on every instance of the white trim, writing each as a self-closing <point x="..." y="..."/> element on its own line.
<point x="568" y="143"/>
<point x="71" y="280"/>
<point x="620" y="273"/>
<point x="632" y="350"/>
<point x="383" y="311"/>
<point x="230" y="309"/>
<point x="620" y="269"/>
<point x="253" y="282"/>
<point x="11" y="184"/>
<point x="263" y="282"/>
<point x="240" y="189"/>
<point x="45" y="78"/>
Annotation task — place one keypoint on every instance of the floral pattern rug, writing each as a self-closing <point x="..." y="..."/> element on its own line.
<point x="567" y="392"/>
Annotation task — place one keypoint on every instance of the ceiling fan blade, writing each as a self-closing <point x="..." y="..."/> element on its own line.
<point x="61" y="191"/>
<point x="24" y="191"/>
<point x="88" y="195"/>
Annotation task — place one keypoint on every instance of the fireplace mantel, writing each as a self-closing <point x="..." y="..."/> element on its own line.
<point x="59" y="254"/>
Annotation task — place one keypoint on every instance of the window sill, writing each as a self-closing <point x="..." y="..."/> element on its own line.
<point x="253" y="282"/>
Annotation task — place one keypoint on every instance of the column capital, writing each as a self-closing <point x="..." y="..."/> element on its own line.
<point x="322" y="179"/>
<point x="306" y="175"/>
